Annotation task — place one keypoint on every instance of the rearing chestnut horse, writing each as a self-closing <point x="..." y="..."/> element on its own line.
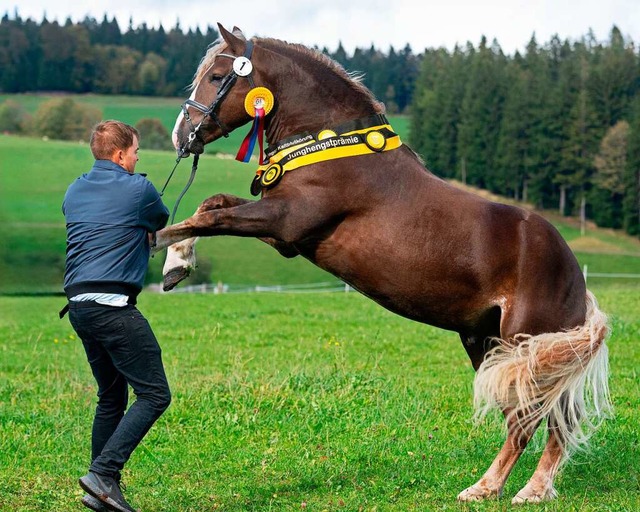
<point x="340" y="189"/>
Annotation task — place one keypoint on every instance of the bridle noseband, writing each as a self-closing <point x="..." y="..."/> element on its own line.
<point x="227" y="83"/>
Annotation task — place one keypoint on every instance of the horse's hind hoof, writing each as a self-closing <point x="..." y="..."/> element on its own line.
<point x="174" y="276"/>
<point x="478" y="493"/>
<point x="528" y="495"/>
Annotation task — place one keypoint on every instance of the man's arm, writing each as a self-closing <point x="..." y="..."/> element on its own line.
<point x="153" y="213"/>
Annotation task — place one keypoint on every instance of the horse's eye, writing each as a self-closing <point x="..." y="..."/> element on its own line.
<point x="215" y="78"/>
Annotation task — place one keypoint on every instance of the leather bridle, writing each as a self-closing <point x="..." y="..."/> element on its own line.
<point x="225" y="86"/>
<point x="242" y="67"/>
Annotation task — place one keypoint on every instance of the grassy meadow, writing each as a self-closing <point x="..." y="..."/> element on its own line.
<point x="34" y="175"/>
<point x="282" y="402"/>
<point x="286" y="402"/>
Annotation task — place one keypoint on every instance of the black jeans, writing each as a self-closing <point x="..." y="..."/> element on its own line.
<point x="122" y="350"/>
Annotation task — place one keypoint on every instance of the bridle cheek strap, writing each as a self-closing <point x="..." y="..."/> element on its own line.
<point x="226" y="85"/>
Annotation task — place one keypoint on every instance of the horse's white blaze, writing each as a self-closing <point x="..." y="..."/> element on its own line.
<point x="180" y="255"/>
<point x="176" y="127"/>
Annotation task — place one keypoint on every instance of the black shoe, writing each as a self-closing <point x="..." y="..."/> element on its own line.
<point x="94" y="504"/>
<point x="107" y="490"/>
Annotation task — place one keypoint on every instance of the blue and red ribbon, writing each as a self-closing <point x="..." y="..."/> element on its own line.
<point x="249" y="142"/>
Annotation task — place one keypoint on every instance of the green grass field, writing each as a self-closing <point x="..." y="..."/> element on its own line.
<point x="292" y="402"/>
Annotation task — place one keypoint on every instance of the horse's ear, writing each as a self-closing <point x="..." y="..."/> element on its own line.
<point x="236" y="44"/>
<point x="238" y="32"/>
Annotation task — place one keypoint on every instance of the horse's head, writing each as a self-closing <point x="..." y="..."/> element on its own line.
<point x="311" y="91"/>
<point x="220" y="85"/>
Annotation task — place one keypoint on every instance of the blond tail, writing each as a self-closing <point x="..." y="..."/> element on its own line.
<point x="561" y="376"/>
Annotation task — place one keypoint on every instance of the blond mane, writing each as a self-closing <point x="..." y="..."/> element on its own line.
<point x="212" y="52"/>
<point x="294" y="51"/>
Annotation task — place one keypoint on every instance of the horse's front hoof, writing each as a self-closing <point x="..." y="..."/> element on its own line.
<point x="174" y="276"/>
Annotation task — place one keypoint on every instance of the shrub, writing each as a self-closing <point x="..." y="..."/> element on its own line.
<point x="153" y="134"/>
<point x="64" y="119"/>
<point x="12" y="117"/>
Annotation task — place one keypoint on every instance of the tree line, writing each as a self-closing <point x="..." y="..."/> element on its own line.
<point x="557" y="125"/>
<point x="98" y="57"/>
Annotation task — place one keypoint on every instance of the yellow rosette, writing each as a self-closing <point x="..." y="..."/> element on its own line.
<point x="258" y="97"/>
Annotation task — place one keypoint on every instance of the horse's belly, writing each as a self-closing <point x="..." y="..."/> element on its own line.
<point x="438" y="291"/>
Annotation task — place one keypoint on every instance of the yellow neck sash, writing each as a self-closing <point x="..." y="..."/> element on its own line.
<point x="345" y="140"/>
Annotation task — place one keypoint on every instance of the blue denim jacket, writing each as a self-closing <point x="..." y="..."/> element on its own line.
<point x="109" y="213"/>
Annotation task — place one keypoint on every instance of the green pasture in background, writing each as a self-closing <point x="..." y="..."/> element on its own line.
<point x="35" y="174"/>
<point x="129" y="109"/>
<point x="290" y="402"/>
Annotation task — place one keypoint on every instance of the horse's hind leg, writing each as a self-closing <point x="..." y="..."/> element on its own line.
<point x="540" y="486"/>
<point x="492" y="482"/>
<point x="519" y="433"/>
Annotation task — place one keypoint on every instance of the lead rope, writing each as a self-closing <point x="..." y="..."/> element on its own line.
<point x="194" y="168"/>
<point x="180" y="153"/>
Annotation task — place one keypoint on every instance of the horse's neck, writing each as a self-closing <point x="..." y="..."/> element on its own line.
<point x="319" y="101"/>
<point x="312" y="118"/>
